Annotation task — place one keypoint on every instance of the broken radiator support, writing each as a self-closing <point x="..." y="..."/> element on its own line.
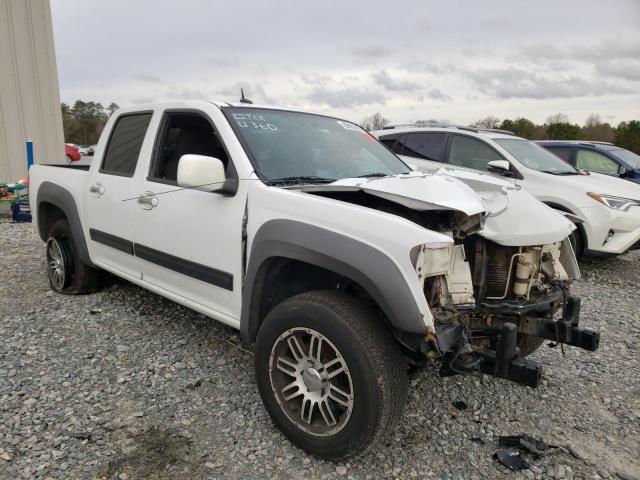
<point x="506" y="362"/>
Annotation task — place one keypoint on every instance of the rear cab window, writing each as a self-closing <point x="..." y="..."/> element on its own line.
<point x="124" y="145"/>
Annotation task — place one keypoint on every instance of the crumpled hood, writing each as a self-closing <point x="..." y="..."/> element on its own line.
<point x="416" y="190"/>
<point x="513" y="216"/>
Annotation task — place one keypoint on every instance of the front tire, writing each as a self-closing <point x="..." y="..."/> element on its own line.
<point x="69" y="160"/>
<point x="330" y="374"/>
<point x="67" y="273"/>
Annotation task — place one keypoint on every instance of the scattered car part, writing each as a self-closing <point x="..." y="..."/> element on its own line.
<point x="511" y="458"/>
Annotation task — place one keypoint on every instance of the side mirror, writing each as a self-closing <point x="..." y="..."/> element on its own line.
<point x="201" y="173"/>
<point x="500" y="166"/>
<point x="623" y="172"/>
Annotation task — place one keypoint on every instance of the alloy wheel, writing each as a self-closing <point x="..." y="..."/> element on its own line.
<point x="311" y="381"/>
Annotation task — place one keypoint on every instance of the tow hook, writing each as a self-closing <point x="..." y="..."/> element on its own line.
<point x="566" y="330"/>
<point x="506" y="362"/>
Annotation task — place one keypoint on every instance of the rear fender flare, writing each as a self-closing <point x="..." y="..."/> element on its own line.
<point x="63" y="199"/>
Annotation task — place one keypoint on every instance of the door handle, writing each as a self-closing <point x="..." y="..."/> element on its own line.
<point x="97" y="189"/>
<point x="148" y="200"/>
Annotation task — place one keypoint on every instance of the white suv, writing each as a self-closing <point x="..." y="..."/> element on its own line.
<point x="606" y="210"/>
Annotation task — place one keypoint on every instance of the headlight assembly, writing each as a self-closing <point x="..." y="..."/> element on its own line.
<point x="617" y="203"/>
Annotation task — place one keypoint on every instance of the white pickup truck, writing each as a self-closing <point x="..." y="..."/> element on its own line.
<point x="342" y="266"/>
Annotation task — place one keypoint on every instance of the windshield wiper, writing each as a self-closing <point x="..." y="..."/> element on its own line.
<point x="299" y="179"/>
<point x="373" y="174"/>
<point x="559" y="173"/>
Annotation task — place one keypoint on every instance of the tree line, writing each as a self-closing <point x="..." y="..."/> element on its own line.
<point x="556" y="127"/>
<point x="83" y="122"/>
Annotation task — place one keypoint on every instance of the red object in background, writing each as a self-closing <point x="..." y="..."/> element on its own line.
<point x="72" y="152"/>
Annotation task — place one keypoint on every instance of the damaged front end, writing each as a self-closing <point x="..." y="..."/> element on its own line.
<point x="492" y="304"/>
<point x="500" y="288"/>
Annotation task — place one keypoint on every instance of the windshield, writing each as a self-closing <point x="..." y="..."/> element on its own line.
<point x="535" y="157"/>
<point x="310" y="147"/>
<point x="626" y="156"/>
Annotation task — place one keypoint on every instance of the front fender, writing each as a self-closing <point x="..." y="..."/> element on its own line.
<point x="370" y="268"/>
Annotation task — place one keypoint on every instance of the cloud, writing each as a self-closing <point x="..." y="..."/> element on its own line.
<point x="184" y="93"/>
<point x="423" y="24"/>
<point x="496" y="22"/>
<point x="605" y="50"/>
<point x="370" y="51"/>
<point x="624" y="69"/>
<point x="148" y="78"/>
<point x="224" y="61"/>
<point x="315" y="78"/>
<point x="255" y="92"/>
<point x="512" y="82"/>
<point x="345" y="98"/>
<point x="394" y="84"/>
<point x="141" y="100"/>
<point x="438" y="95"/>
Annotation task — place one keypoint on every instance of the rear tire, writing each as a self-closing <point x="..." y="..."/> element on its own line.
<point x="67" y="273"/>
<point x="69" y="160"/>
<point x="331" y="376"/>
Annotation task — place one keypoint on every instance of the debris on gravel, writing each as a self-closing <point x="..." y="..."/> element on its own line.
<point x="124" y="384"/>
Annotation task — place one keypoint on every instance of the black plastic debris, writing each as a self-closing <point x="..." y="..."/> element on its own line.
<point x="460" y="404"/>
<point x="531" y="444"/>
<point x="510" y="458"/>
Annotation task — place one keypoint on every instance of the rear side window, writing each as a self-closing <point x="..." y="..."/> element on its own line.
<point x="427" y="146"/>
<point x="392" y="142"/>
<point x="562" y="152"/>
<point x="123" y="149"/>
<point x="471" y="153"/>
<point x="595" y="162"/>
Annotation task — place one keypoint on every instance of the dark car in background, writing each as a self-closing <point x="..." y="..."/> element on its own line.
<point x="601" y="157"/>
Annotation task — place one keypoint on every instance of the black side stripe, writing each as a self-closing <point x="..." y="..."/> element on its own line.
<point x="186" y="267"/>
<point x="195" y="270"/>
<point x="112" y="241"/>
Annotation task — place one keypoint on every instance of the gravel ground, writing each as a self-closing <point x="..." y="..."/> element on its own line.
<point x="124" y="384"/>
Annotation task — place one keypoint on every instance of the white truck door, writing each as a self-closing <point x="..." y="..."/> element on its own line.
<point x="108" y="216"/>
<point x="190" y="241"/>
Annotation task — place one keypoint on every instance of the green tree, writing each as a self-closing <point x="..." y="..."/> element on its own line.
<point x="113" y="106"/>
<point x="627" y="135"/>
<point x="374" y="122"/>
<point x="595" y="129"/>
<point x="487" y="122"/>
<point x="84" y="122"/>
<point x="507" y="125"/>
<point x="563" y="131"/>
<point x="525" y="128"/>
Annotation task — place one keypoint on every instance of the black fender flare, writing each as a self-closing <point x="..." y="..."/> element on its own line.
<point x="369" y="267"/>
<point x="60" y="197"/>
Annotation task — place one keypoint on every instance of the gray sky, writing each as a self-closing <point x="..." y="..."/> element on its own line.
<point x="409" y="60"/>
